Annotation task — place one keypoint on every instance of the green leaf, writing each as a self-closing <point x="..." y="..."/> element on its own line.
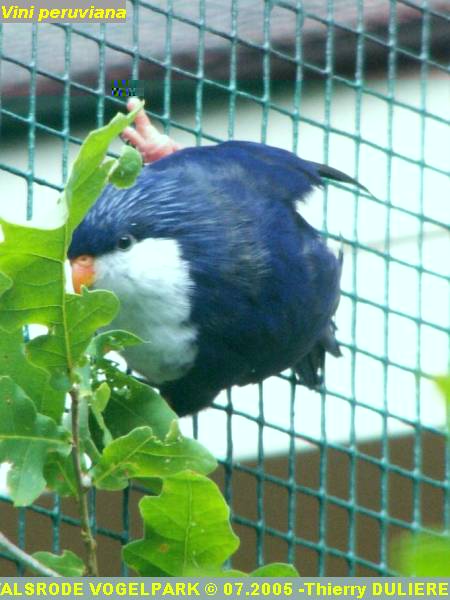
<point x="101" y="398"/>
<point x="153" y="485"/>
<point x="85" y="182"/>
<point x="140" y="454"/>
<point x="34" y="260"/>
<point x="127" y="169"/>
<point x="187" y="529"/>
<point x="26" y="438"/>
<point x="63" y="348"/>
<point x="5" y="282"/>
<point x="133" y="404"/>
<point x="34" y="381"/>
<point x="424" y="555"/>
<point x="67" y="564"/>
<point x="444" y="385"/>
<point x="276" y="570"/>
<point x="86" y="395"/>
<point x="115" y="340"/>
<point x="59" y="473"/>
<point x="99" y="402"/>
<point x="271" y="570"/>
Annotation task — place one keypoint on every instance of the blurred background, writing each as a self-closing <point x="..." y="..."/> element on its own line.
<point x="321" y="479"/>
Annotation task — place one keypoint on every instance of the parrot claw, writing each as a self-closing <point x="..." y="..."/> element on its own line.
<point x="152" y="144"/>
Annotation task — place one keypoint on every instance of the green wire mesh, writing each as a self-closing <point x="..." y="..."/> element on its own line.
<point x="303" y="480"/>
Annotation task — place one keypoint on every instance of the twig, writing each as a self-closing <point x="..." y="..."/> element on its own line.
<point x="86" y="531"/>
<point x="25" y="559"/>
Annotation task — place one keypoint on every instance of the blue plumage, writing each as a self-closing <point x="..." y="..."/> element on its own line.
<point x="264" y="285"/>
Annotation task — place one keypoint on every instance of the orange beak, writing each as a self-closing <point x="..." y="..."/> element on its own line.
<point x="83" y="272"/>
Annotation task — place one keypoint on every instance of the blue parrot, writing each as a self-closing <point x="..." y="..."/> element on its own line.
<point x="215" y="269"/>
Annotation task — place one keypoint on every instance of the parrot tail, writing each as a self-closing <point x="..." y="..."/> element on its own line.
<point x="310" y="368"/>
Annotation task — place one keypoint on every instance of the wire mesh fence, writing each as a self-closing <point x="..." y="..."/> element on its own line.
<point x="322" y="480"/>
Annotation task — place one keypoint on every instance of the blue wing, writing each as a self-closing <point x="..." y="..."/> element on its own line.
<point x="266" y="284"/>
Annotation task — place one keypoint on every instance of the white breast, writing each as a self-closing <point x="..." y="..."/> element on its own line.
<point x="153" y="285"/>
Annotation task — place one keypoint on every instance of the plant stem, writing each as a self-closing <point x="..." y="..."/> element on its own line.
<point x="25" y="559"/>
<point x="86" y="531"/>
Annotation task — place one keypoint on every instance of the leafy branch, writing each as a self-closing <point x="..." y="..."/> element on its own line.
<point x="117" y="429"/>
<point x="427" y="554"/>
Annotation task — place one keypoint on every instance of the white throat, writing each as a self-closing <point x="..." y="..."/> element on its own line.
<point x="152" y="282"/>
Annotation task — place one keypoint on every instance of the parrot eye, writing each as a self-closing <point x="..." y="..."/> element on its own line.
<point x="125" y="242"/>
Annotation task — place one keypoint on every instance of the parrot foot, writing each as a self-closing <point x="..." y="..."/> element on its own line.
<point x="152" y="144"/>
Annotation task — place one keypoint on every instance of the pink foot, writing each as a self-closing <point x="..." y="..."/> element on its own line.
<point x="152" y="144"/>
